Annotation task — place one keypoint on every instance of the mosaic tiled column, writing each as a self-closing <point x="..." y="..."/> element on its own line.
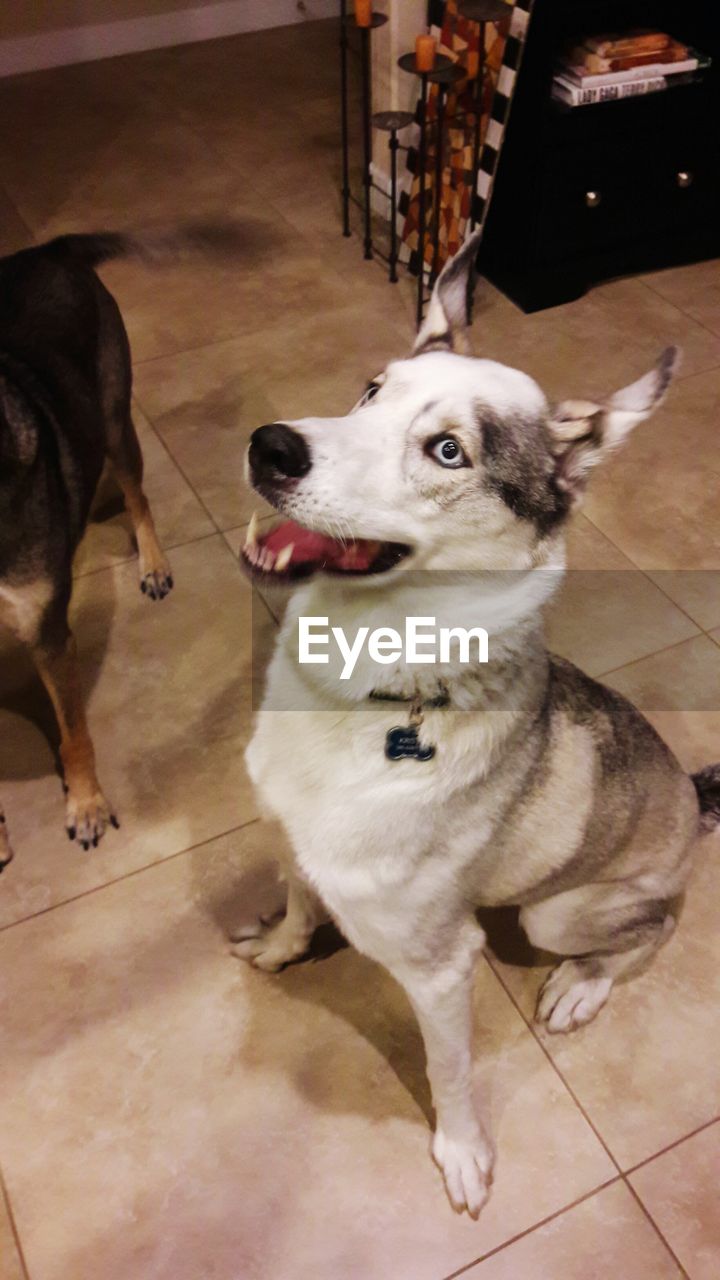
<point x="459" y="203"/>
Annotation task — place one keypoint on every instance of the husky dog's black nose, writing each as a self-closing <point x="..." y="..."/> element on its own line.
<point x="278" y="453"/>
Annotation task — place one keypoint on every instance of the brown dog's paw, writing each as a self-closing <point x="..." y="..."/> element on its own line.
<point x="88" y="818"/>
<point x="6" y="850"/>
<point x="157" y="583"/>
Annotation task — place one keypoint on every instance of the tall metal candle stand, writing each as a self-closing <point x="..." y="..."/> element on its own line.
<point x="391" y="122"/>
<point x="344" y="118"/>
<point x="443" y="77"/>
<point x="480" y="12"/>
<point x="377" y="20"/>
<point x="407" y="62"/>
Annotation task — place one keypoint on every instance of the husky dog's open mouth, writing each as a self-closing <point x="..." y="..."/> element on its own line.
<point x="280" y="459"/>
<point x="290" y="552"/>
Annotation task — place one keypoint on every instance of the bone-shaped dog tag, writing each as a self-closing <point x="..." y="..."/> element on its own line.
<point x="402" y="743"/>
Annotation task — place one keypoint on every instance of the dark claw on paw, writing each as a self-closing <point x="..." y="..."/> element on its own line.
<point x="114" y="822"/>
<point x="71" y="833"/>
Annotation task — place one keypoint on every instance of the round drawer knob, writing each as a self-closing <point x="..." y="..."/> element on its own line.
<point x="684" y="179"/>
<point x="592" y="199"/>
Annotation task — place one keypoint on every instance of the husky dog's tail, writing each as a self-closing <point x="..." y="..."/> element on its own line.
<point x="211" y="239"/>
<point x="707" y="785"/>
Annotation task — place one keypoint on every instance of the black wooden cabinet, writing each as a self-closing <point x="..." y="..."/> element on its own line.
<point x="586" y="193"/>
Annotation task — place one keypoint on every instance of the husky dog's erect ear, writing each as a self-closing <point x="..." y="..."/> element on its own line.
<point x="448" y="310"/>
<point x="583" y="433"/>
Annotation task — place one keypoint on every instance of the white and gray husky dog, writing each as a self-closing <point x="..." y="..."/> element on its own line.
<point x="520" y="781"/>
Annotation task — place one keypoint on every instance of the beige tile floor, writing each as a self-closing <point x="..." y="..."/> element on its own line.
<point x="165" y="1112"/>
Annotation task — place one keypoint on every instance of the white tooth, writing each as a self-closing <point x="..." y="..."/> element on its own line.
<point x="267" y="559"/>
<point x="253" y="551"/>
<point x="284" y="557"/>
<point x="251" y="535"/>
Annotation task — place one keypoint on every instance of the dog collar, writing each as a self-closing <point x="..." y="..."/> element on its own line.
<point x="401" y="742"/>
<point x="441" y="700"/>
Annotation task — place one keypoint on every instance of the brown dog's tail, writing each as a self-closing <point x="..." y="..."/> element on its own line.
<point x="707" y="785"/>
<point x="219" y="239"/>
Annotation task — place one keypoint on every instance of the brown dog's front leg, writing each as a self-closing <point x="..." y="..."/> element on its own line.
<point x="88" y="812"/>
<point x="6" y="853"/>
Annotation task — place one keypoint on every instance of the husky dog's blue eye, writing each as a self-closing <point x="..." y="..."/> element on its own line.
<point x="447" y="452"/>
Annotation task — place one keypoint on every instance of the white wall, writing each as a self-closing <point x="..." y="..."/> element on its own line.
<point x="393" y="89"/>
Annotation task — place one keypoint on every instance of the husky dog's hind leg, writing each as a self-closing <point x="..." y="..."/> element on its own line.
<point x="607" y="932"/>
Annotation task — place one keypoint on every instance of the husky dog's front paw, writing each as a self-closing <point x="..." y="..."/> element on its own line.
<point x="466" y="1166"/>
<point x="270" y="944"/>
<point x="570" y="997"/>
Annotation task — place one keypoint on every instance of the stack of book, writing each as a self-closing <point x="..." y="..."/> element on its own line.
<point x="604" y="68"/>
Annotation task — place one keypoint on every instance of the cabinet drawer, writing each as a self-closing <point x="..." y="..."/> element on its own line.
<point x="613" y="193"/>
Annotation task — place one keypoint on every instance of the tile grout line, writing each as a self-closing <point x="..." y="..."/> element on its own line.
<point x="531" y="1028"/>
<point x="166" y="546"/>
<point x="136" y="871"/>
<point x="623" y="1175"/>
<point x="696" y="373"/>
<point x="176" y="464"/>
<point x="665" y="649"/>
<point x="671" y="1146"/>
<point x="684" y="313"/>
<point x="234" y="171"/>
<point x="255" y="594"/>
<point x="656" y="1228"/>
<point x="551" y="1217"/>
<point x="238" y="336"/>
<point x="200" y="346"/>
<point x="646" y="574"/>
<point x="5" y="1198"/>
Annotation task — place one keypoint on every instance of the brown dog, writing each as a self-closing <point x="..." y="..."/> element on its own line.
<point x="65" y="383"/>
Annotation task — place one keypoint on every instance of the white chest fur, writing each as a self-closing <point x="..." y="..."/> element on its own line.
<point x="22" y="607"/>
<point x="372" y="834"/>
<point x="368" y="832"/>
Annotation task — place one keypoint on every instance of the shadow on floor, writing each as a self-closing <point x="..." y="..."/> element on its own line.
<point x="333" y="977"/>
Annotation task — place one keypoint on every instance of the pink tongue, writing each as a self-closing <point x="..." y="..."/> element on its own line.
<point x="318" y="548"/>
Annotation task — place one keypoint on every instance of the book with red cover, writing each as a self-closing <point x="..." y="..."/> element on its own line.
<point x="581" y="58"/>
<point x="631" y="42"/>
